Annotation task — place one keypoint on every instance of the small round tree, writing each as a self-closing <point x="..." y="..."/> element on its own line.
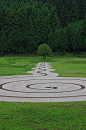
<point x="44" y="50"/>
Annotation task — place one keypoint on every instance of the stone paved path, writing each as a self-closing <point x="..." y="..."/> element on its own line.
<point x="42" y="86"/>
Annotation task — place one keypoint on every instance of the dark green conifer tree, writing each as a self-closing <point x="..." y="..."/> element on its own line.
<point x="54" y="20"/>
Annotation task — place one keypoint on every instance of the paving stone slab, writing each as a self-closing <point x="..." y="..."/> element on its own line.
<point x="42" y="86"/>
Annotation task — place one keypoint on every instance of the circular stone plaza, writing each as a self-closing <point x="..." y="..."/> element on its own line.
<point x="42" y="86"/>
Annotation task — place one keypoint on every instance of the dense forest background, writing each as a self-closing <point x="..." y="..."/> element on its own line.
<point x="25" y="24"/>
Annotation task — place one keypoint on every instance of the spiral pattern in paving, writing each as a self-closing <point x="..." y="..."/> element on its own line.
<point x="42" y="86"/>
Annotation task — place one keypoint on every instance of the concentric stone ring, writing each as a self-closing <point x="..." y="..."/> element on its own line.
<point x="40" y="88"/>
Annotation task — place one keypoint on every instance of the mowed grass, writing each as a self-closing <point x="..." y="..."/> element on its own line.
<point x="43" y="116"/>
<point x="70" y="67"/>
<point x="16" y="65"/>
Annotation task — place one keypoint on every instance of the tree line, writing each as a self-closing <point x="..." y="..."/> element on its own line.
<point x="25" y="24"/>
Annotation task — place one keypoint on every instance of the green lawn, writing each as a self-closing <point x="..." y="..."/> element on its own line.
<point x="16" y="65"/>
<point x="43" y="116"/>
<point x="70" y="67"/>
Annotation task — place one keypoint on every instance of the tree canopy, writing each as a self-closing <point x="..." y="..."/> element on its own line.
<point x="44" y="50"/>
